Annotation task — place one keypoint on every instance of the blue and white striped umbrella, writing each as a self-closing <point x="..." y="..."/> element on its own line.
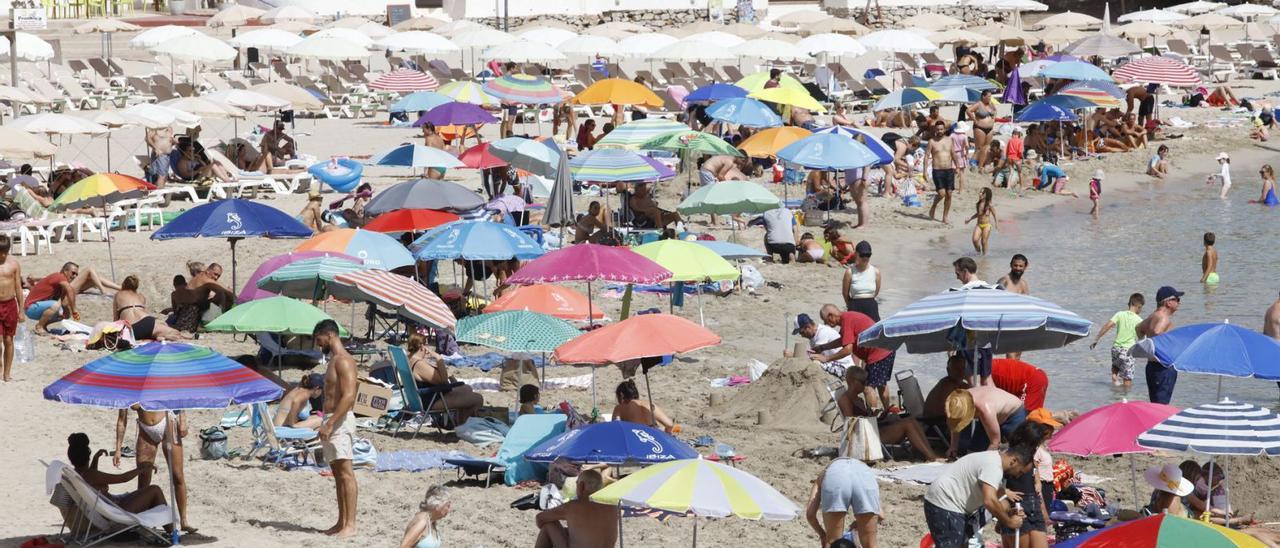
<point x="881" y="150"/>
<point x="475" y="240"/>
<point x="415" y="155"/>
<point x="1009" y="322"/>
<point x="1223" y="428"/>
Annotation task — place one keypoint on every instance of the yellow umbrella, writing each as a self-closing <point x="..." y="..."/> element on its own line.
<point x="789" y="96"/>
<point x="767" y="143"/>
<point x="755" y="82"/>
<point x="617" y="91"/>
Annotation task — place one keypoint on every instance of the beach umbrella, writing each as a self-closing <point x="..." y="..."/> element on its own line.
<point x="789" y="96"/>
<point x="468" y="92"/>
<point x="418" y="102"/>
<point x="200" y="107"/>
<point x="834" y="25"/>
<point x="15" y="143"/>
<point x="1158" y="70"/>
<point x="99" y="191"/>
<point x="962" y="37"/>
<point x="248" y="100"/>
<point x="614" y="442"/>
<point x="963" y="81"/>
<point x="589" y="263"/>
<point x="611" y="165"/>
<point x="1045" y="111"/>
<point x="425" y="194"/>
<point x="771" y="49"/>
<point x="1101" y="45"/>
<point x="52" y="123"/>
<point x="644" y="44"/>
<point x="730" y="250"/>
<point x="830" y="43"/>
<point x="234" y="219"/>
<point x="906" y="97"/>
<point x="699" y="487"/>
<point x="727" y="198"/>
<point x="1074" y="70"/>
<point x="1111" y="430"/>
<point x="632" y="135"/>
<point x="403" y="80"/>
<point x="755" y="82"/>
<point x="539" y="158"/>
<point x="348" y="23"/>
<point x="559" y="210"/>
<point x="1104" y="94"/>
<point x="1224" y="428"/>
<point x="1069" y="19"/>
<point x="1163" y="531"/>
<point x="153" y="116"/>
<point x="617" y="91"/>
<point x="553" y="300"/>
<point x="1221" y="349"/>
<point x="105" y="26"/>
<point x="421" y="22"/>
<point x="420" y="42"/>
<point x="524" y="51"/>
<point x="829" y="151"/>
<point x="715" y="92"/>
<point x="376" y="249"/>
<point x="416" y="156"/>
<point x="251" y="292"/>
<point x="931" y="21"/>
<point x="328" y="48"/>
<point x="687" y="261"/>
<point x="288" y="13"/>
<point x="767" y="142"/>
<point x="157" y="35"/>
<point x="308" y="278"/>
<point x="1248" y="10"/>
<point x="590" y="45"/>
<point x="524" y="89"/>
<point x="692" y="141"/>
<point x="714" y="36"/>
<point x="475" y="241"/>
<point x="1211" y="21"/>
<point x="410" y="220"/>
<point x="1008" y="322"/>
<point x="546" y="35"/>
<point x="643" y="336"/>
<point x="277" y="314"/>
<point x="1196" y="7"/>
<point x="897" y="41"/>
<point x="346" y="35"/>
<point x="456" y="113"/>
<point x="294" y="26"/>
<point x="294" y="97"/>
<point x="882" y="151"/>
<point x="617" y="26"/>
<point x="477" y="36"/>
<point x="1152" y="16"/>
<point x="516" y="331"/>
<point x="404" y="296"/>
<point x="744" y="111"/>
<point x="1060" y="35"/>
<point x="234" y="15"/>
<point x="1006" y="34"/>
<point x="1067" y="102"/>
<point x="196" y="47"/>
<point x="479" y="157"/>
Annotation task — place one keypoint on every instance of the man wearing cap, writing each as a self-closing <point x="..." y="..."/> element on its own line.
<point x="1160" y="379"/>
<point x="998" y="413"/>
<point x="820" y="334"/>
<point x="878" y="361"/>
<point x="966" y="486"/>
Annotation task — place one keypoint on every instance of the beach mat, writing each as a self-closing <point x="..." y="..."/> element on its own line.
<point x="417" y="461"/>
<point x="486" y="384"/>
<point x="485" y="362"/>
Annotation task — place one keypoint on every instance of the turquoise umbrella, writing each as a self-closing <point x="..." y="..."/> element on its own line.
<point x="517" y="331"/>
<point x="310" y="278"/>
<point x="728" y="198"/>
<point x="633" y="135"/>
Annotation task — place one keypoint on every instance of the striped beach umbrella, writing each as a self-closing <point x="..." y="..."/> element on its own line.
<point x="309" y="278"/>
<point x="418" y="156"/>
<point x="1009" y="322"/>
<point x="465" y="91"/>
<point x="632" y="135"/>
<point x="693" y="141"/>
<point x="250" y="291"/>
<point x="965" y="81"/>
<point x="101" y="190"/>
<point x="880" y="148"/>
<point x="376" y="249"/>
<point x="617" y="166"/>
<point x="404" y="80"/>
<point x="163" y="376"/>
<point x="516" y="331"/>
<point x="906" y="97"/>
<point x="1223" y="428"/>
<point x="406" y="297"/>
<point x="1158" y="70"/>
<point x="523" y="89"/>
<point x="1094" y="92"/>
<point x="1163" y="531"/>
<point x="702" y="488"/>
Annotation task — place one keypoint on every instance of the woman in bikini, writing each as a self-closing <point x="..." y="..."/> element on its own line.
<point x="430" y="371"/>
<point x="153" y="430"/>
<point x="131" y="307"/>
<point x="983" y="114"/>
<point x="986" y="215"/>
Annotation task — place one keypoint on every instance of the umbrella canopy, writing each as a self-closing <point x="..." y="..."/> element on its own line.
<point x="632" y="135"/>
<point x="456" y="113"/>
<point x="293" y="96"/>
<point x="613" y="442"/>
<point x="308" y="278"/>
<point x="475" y="241"/>
<point x="101" y="189"/>
<point x="288" y="13"/>
<point x="524" y="51"/>
<point x="829" y="151"/>
<point x="418" y="156"/>
<point x="1103" y="94"/>
<point x="1162" y="531"/>
<point x="744" y="111"/>
<point x="559" y="210"/>
<point x="466" y="91"/>
<point x="1223" y="428"/>
<point x="157" y="35"/>
<point x="248" y="100"/>
<point x="789" y="96"/>
<point x="770" y="48"/>
<point x="524" y="89"/>
<point x="644" y="44"/>
<point x="766" y="143"/>
<point x="421" y="22"/>
<point x="553" y="300"/>
<point x="271" y="315"/>
<point x="417" y="41"/>
<point x="1152" y="15"/>
<point x="906" y="97"/>
<point x="516" y="331"/>
<point x="346" y="35"/>
<point x="1211" y="21"/>
<point x="590" y="262"/>
<point x="897" y="41"/>
<point x="1197" y="6"/>
<point x="643" y="336"/>
<point x="410" y="220"/>
<point x="15" y="143"/>
<point x="931" y="21"/>
<point x="163" y="376"/>
<point x="1248" y="10"/>
<point x="1110" y="429"/>
<point x="376" y="249"/>
<point x="590" y="45"/>
<point x="251" y="292"/>
<point x="695" y="141"/>
<point x="234" y="15"/>
<point x="233" y="218"/>
<point x="481" y="37"/>
<point x="546" y="35"/>
<point x="107" y="26"/>
<point x="201" y="107"/>
<point x="1101" y="45"/>
<point x="699" y="487"/>
<point x="1215" y="349"/>
<point x="963" y="81"/>
<point x="1070" y="20"/>
<point x="1158" y="70"/>
<point x="425" y="194"/>
<point x="730" y="250"/>
<point x="418" y="102"/>
<point x="196" y="47"/>
<point x="755" y="81"/>
<point x="1045" y="110"/>
<point x="404" y="80"/>
<point x="728" y="198"/>
<point x="882" y="150"/>
<point x="688" y="261"/>
<point x="1009" y="322"/>
<point x="714" y="36"/>
<point x="479" y="157"/>
<point x="1142" y="29"/>
<point x="539" y="158"/>
<point x="1075" y="70"/>
<point x="834" y="44"/>
<point x="715" y="92"/>
<point x="406" y="297"/>
<point x="1061" y="35"/>
<point x="52" y="123"/>
<point x="613" y="165"/>
<point x="617" y="91"/>
<point x="329" y="48"/>
<point x="835" y="25"/>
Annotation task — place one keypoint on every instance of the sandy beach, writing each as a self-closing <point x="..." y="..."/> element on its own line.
<point x="243" y="503"/>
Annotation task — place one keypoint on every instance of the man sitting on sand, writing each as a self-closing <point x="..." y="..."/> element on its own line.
<point x="893" y="428"/>
<point x="631" y="408"/>
<point x="590" y="524"/>
<point x="643" y="205"/>
<point x="191" y="303"/>
<point x="998" y="413"/>
<point x="53" y="297"/>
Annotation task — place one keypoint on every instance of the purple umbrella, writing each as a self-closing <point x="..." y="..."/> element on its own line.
<point x="456" y="114"/>
<point x="664" y="172"/>
<point x="507" y="203"/>
<point x="251" y="291"/>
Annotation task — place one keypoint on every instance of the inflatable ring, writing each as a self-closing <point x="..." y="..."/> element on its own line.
<point x="343" y="174"/>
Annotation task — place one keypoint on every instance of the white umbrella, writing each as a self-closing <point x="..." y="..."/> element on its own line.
<point x="831" y="43"/>
<point x="523" y="51"/>
<point x="801" y="17"/>
<point x="234" y="15"/>
<point x="348" y="23"/>
<point x="111" y="119"/>
<point x="203" y="107"/>
<point x="897" y="41"/>
<point x="297" y="97"/>
<point x="717" y="38"/>
<point x="1248" y="10"/>
<point x="688" y="50"/>
<point x="420" y="23"/>
<point x="418" y="41"/>
<point x="1153" y="16"/>
<point x="1060" y="35"/>
<point x="459" y="26"/>
<point x="30" y="48"/>
<point x="15" y="143"/>
<point x="105" y="26"/>
<point x="1102" y="45"/>
<point x="294" y="26"/>
<point x="51" y="123"/>
<point x="1006" y="34"/>
<point x="1211" y="21"/>
<point x="1014" y="5"/>
<point x="770" y="48"/>
<point x="337" y="8"/>
<point x="288" y="13"/>
<point x="327" y="48"/>
<point x="267" y="39"/>
<point x="483" y="37"/>
<point x="642" y="45"/>
<point x="1196" y="7"/>
<point x="196" y="48"/>
<point x="153" y="37"/>
<point x="547" y="35"/>
<point x="159" y="116"/>
<point x="248" y="100"/>
<point x="616" y="26"/>
<point x="348" y="35"/>
<point x="962" y="36"/>
<point x="1069" y="20"/>
<point x="590" y="45"/>
<point x="374" y="30"/>
<point x="839" y="26"/>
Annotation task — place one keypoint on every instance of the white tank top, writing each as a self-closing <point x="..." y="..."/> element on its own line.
<point x="863" y="283"/>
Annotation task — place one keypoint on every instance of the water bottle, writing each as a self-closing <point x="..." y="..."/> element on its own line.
<point x="24" y="344"/>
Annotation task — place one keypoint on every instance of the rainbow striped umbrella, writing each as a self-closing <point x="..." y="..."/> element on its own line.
<point x="468" y="92"/>
<point x="163" y="376"/>
<point x="616" y="166"/>
<point x="404" y="80"/>
<point x="523" y="89"/>
<point x="632" y="135"/>
<point x="1160" y="531"/>
<point x="1103" y="94"/>
<point x="101" y="189"/>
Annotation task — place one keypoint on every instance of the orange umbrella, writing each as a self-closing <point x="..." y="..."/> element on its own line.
<point x="643" y="336"/>
<point x="617" y="91"/>
<point x="767" y="143"/>
<point x="553" y="300"/>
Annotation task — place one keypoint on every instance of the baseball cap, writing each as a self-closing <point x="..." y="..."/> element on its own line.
<point x="863" y="248"/>
<point x="1043" y="416"/>
<point x="802" y="321"/>
<point x="1223" y="156"/>
<point x="1166" y="293"/>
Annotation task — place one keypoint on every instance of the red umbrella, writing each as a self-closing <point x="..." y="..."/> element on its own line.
<point x="405" y="80"/>
<point x="479" y="157"/>
<point x="410" y="220"/>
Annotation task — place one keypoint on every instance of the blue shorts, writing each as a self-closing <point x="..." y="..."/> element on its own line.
<point x="849" y="486"/>
<point x="1160" y="382"/>
<point x="975" y="437"/>
<point x="36" y="310"/>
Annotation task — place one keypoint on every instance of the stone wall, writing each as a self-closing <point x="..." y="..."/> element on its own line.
<point x="888" y="17"/>
<point x="654" y="19"/>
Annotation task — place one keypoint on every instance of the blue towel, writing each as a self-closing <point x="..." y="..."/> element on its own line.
<point x="485" y="362"/>
<point x="416" y="461"/>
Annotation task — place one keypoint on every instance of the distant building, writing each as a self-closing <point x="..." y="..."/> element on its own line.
<point x="472" y="9"/>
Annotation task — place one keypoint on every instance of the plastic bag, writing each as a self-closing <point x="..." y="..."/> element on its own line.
<point x="752" y="278"/>
<point x="757" y="369"/>
<point x="24" y="344"/>
<point x="213" y="443"/>
<point x="363" y="453"/>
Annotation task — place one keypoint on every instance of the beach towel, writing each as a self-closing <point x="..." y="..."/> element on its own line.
<point x="484" y="362"/>
<point x="487" y="384"/>
<point x="923" y="474"/>
<point x="417" y="461"/>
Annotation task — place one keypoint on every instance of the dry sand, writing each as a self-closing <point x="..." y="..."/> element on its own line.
<point x="239" y="503"/>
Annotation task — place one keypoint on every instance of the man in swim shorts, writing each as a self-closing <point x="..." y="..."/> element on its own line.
<point x="1160" y="378"/>
<point x="940" y="160"/>
<point x="10" y="301"/>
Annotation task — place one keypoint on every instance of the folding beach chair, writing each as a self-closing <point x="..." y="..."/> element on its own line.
<point x="912" y="400"/>
<point x="99" y="519"/>
<point x="528" y="432"/>
<point x="281" y="442"/>
<point x="414" y="407"/>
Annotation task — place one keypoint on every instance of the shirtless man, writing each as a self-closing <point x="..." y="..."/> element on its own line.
<point x="800" y="117"/>
<point x="943" y="172"/>
<point x="643" y="204"/>
<point x="1160" y="379"/>
<point x="1141" y="97"/>
<point x="591" y="227"/>
<point x="432" y="138"/>
<point x="632" y="409"/>
<point x="1133" y="134"/>
<point x="935" y="117"/>
<point x="935" y="404"/>
<point x="337" y="432"/>
<point x="10" y="301"/>
<point x="161" y="142"/>
<point x="998" y="413"/>
<point x="983" y="114"/>
<point x="1013" y="282"/>
<point x="190" y="303"/>
<point x="725" y="168"/>
<point x="275" y="146"/>
<point x="312" y="213"/>
<point x="590" y="524"/>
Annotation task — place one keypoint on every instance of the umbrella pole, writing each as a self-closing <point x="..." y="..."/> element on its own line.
<point x="701" y="318"/>
<point x="593" y="390"/>
<point x="590" y="310"/>
<point x="233" y="263"/>
<point x="1208" y="499"/>
<point x="111" y="256"/>
<point x="175" y="535"/>
<point x="1225" y="487"/>
<point x="653" y="422"/>
<point x="620" y="544"/>
<point x="108" y="151"/>
<point x="1133" y="477"/>
<point x="543" y="382"/>
<point x="695" y="531"/>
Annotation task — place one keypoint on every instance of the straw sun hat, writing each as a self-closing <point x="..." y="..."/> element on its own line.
<point x="1168" y="479"/>
<point x="960" y="409"/>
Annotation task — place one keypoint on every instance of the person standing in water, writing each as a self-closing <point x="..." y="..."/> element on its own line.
<point x="1160" y="379"/>
<point x="1268" y="196"/>
<point x="1013" y="282"/>
<point x="1209" y="261"/>
<point x="1224" y="174"/>
<point x="943" y="170"/>
<point x="1125" y="323"/>
<point x="985" y="213"/>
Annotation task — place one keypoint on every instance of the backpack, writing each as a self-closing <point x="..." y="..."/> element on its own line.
<point x="213" y="443"/>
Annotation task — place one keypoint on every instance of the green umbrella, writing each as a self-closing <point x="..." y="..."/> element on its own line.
<point x="310" y="278"/>
<point x="730" y="197"/>
<point x="516" y="331"/>
<point x="692" y="141"/>
<point x="272" y="315"/>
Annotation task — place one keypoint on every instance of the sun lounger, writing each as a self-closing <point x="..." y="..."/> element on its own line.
<point x="528" y="432"/>
<point x="99" y="518"/>
<point x="279" y="352"/>
<point x="1264" y="65"/>
<point x="80" y="99"/>
<point x="414" y="406"/>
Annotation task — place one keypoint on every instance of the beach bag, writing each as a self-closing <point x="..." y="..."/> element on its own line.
<point x="483" y="431"/>
<point x="363" y="453"/>
<point x="862" y="440"/>
<point x="111" y="336"/>
<point x="517" y="372"/>
<point x="213" y="443"/>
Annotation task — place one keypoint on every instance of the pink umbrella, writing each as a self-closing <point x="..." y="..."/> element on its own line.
<point x="251" y="291"/>
<point x="1111" y="430"/>
<point x="588" y="263"/>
